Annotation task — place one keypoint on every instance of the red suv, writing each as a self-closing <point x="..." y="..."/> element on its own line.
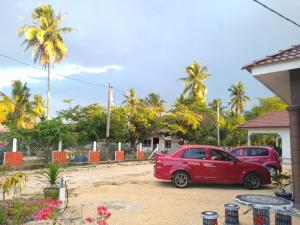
<point x="263" y="155"/>
<point x="208" y="164"/>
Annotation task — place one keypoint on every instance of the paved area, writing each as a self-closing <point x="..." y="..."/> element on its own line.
<point x="135" y="197"/>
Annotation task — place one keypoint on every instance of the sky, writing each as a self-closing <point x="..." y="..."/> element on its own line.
<point x="146" y="45"/>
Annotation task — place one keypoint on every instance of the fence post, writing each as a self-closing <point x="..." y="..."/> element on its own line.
<point x="13" y="158"/>
<point x="140" y="153"/>
<point x="59" y="156"/>
<point x="119" y="155"/>
<point x="94" y="155"/>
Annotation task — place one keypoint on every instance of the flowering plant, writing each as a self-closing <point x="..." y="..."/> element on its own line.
<point x="49" y="211"/>
<point x="102" y="216"/>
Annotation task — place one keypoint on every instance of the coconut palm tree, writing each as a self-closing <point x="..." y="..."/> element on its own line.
<point x="44" y="37"/>
<point x="238" y="97"/>
<point x="39" y="107"/>
<point x="193" y="83"/>
<point x="18" y="109"/>
<point x="130" y="99"/>
<point x="155" y="103"/>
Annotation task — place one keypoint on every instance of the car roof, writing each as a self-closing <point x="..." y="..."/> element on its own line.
<point x="253" y="146"/>
<point x="200" y="146"/>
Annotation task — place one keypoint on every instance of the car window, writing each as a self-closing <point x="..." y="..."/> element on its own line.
<point x="238" y="152"/>
<point x="194" y="153"/>
<point x="257" y="152"/>
<point x="218" y="155"/>
<point x="173" y="149"/>
<point x="262" y="152"/>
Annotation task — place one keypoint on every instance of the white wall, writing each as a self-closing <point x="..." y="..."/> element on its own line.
<point x="284" y="133"/>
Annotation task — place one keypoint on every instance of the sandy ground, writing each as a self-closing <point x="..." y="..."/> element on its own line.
<point x="135" y="197"/>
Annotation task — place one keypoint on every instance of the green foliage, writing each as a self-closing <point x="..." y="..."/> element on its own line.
<point x="154" y="103"/>
<point x="18" y="111"/>
<point x="281" y="180"/>
<point x="265" y="106"/>
<point x="50" y="132"/>
<point x="238" y="97"/>
<point x="52" y="174"/>
<point x="181" y="121"/>
<point x="88" y="123"/>
<point x="194" y="86"/>
<point x="231" y="135"/>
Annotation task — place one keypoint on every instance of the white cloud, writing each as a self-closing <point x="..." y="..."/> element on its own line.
<point x="32" y="75"/>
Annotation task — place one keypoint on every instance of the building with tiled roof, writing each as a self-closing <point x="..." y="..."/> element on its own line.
<point x="277" y="119"/>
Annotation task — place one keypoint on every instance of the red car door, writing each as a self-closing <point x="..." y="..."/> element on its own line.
<point x="222" y="167"/>
<point x="192" y="160"/>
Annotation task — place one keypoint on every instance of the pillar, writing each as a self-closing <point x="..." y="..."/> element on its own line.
<point x="294" y="114"/>
<point x="249" y="138"/>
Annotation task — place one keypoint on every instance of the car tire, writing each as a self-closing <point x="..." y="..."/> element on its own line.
<point x="252" y="181"/>
<point x="181" y="179"/>
<point x="272" y="170"/>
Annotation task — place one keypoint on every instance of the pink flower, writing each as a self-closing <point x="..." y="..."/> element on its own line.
<point x="89" y="219"/>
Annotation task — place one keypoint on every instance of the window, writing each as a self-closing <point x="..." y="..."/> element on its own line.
<point x="239" y="152"/>
<point x="168" y="143"/>
<point x="220" y="155"/>
<point x="147" y="143"/>
<point x="257" y="152"/>
<point x="194" y="153"/>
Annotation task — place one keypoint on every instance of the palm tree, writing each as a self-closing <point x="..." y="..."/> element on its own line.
<point x="39" y="108"/>
<point x="18" y="108"/>
<point x="155" y="103"/>
<point x="238" y="98"/>
<point x="44" y="37"/>
<point x="130" y="99"/>
<point x="194" y="81"/>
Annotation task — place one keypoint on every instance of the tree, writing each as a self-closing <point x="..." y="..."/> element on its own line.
<point x="89" y="122"/>
<point x="238" y="97"/>
<point x="16" y="111"/>
<point x="180" y="121"/>
<point x="44" y="37"/>
<point x="39" y="108"/>
<point x="131" y="100"/>
<point x="265" y="106"/>
<point x="155" y="103"/>
<point x="194" y="86"/>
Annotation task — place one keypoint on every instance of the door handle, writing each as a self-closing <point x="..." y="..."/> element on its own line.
<point x="184" y="163"/>
<point x="211" y="165"/>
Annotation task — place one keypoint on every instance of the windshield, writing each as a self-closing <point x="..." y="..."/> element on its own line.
<point x="173" y="149"/>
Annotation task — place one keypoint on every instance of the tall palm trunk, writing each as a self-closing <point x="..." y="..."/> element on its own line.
<point x="48" y="94"/>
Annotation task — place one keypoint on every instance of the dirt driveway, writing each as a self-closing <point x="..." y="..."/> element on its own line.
<point x="135" y="197"/>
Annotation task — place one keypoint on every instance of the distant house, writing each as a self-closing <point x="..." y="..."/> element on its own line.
<point x="164" y="142"/>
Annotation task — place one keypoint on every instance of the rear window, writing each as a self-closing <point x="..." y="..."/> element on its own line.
<point x="173" y="149"/>
<point x="194" y="153"/>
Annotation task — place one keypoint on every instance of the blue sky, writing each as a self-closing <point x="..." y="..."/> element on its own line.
<point x="147" y="45"/>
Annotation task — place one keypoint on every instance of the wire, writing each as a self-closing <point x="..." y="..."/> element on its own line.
<point x="69" y="78"/>
<point x="277" y="13"/>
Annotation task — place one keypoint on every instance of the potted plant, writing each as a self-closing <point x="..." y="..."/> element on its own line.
<point x="281" y="180"/>
<point x="52" y="175"/>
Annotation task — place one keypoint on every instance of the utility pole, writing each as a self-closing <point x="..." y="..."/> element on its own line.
<point x="218" y="121"/>
<point x="108" y="111"/>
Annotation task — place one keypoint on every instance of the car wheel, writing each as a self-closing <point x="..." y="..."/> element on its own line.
<point x="181" y="179"/>
<point x="272" y="170"/>
<point x="252" y="181"/>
